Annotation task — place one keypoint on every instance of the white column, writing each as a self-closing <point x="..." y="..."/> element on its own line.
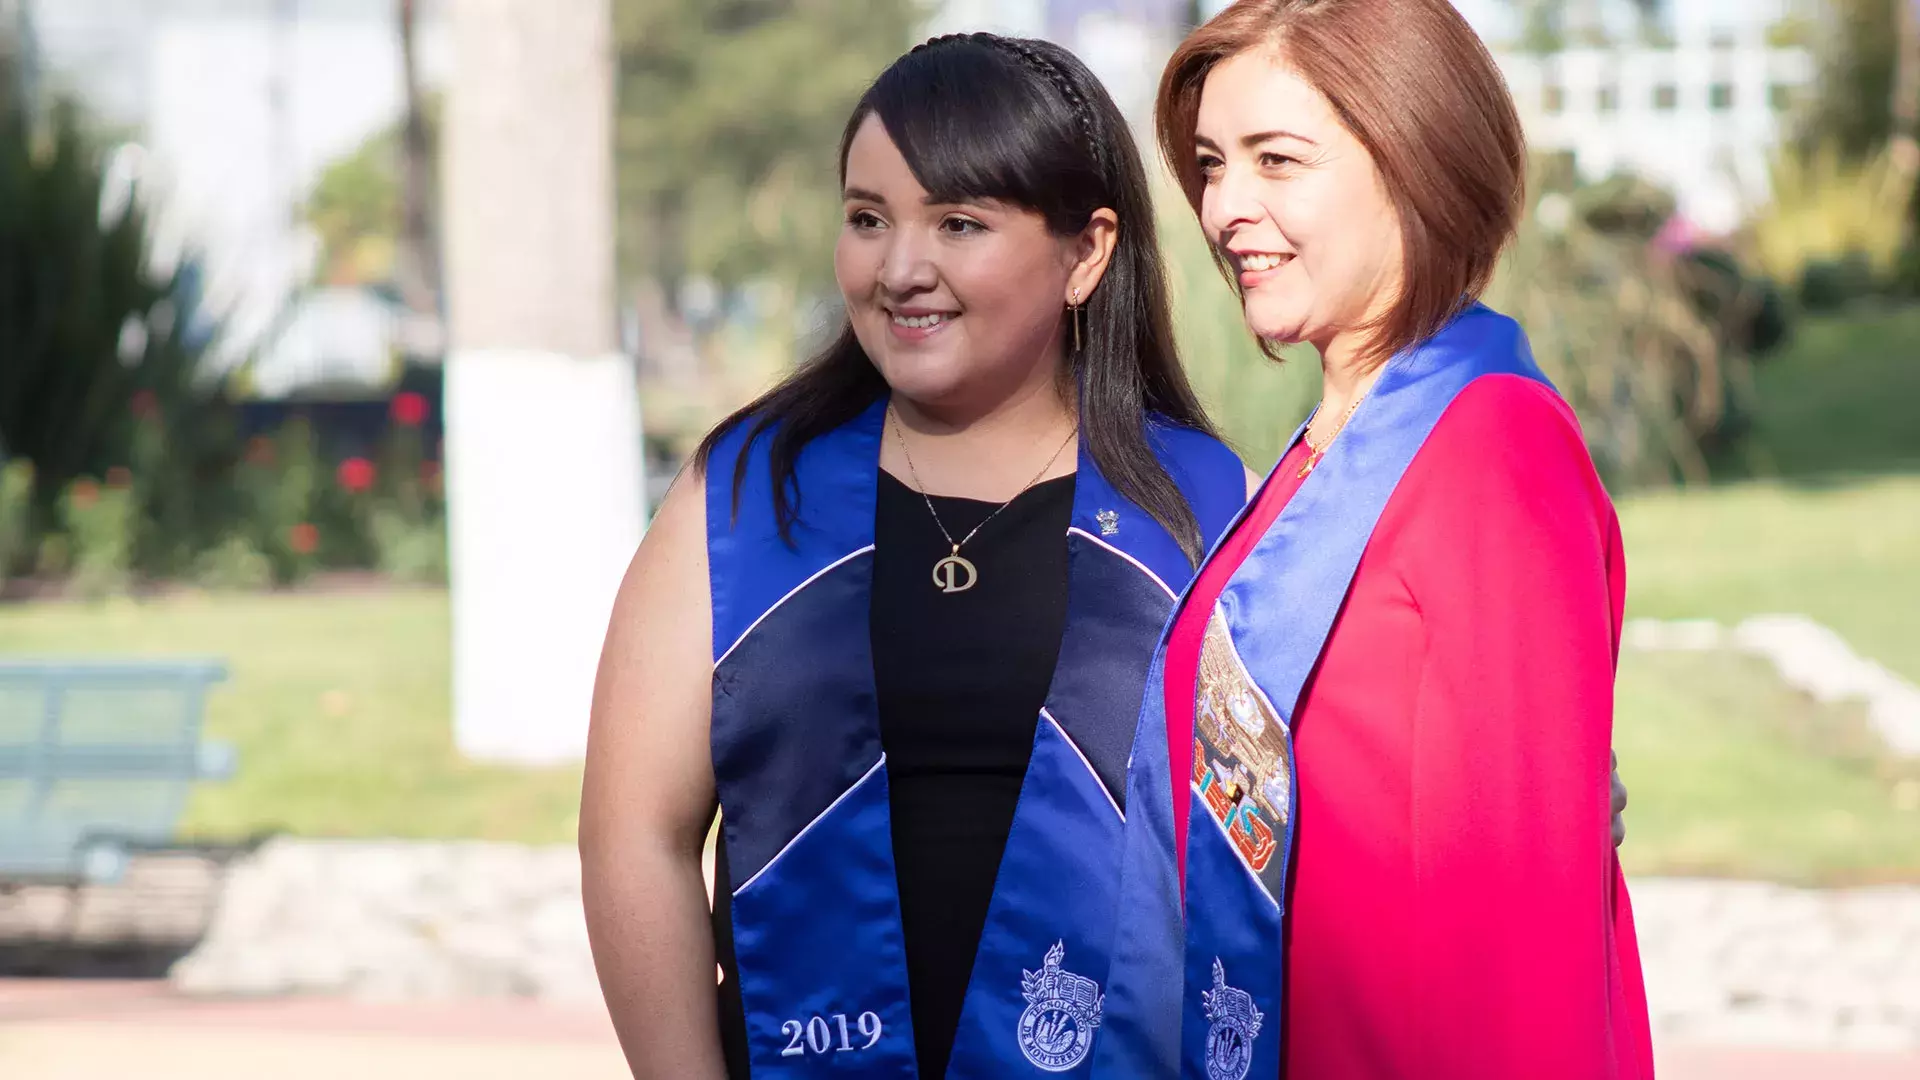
<point x="544" y="469"/>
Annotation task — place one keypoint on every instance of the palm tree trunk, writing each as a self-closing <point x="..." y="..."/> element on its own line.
<point x="419" y="264"/>
<point x="543" y="447"/>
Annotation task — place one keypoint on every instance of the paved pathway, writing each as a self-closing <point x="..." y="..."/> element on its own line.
<point x="101" y="1030"/>
<point x="55" y="1030"/>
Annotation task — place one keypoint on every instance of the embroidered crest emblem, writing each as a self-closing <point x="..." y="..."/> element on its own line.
<point x="1109" y="522"/>
<point x="1235" y="1023"/>
<point x="1056" y="1031"/>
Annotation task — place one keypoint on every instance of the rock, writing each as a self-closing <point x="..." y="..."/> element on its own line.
<point x="1809" y="657"/>
<point x="398" y="921"/>
<point x="1680" y="635"/>
<point x="1895" y="714"/>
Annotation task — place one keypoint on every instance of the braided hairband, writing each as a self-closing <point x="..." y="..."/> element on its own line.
<point x="1034" y="60"/>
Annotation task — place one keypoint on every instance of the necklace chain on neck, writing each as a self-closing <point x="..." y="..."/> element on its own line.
<point x="1317" y="451"/>
<point x="900" y="437"/>
<point x="1321" y="446"/>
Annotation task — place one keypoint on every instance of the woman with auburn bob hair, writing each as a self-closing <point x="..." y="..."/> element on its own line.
<point x="1373" y="842"/>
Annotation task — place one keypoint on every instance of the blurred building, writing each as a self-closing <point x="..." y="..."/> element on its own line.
<point x="226" y="112"/>
<point x="1699" y="113"/>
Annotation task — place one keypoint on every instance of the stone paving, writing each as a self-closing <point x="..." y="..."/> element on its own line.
<point x="1751" y="964"/>
<point x="101" y="1030"/>
<point x="314" y="949"/>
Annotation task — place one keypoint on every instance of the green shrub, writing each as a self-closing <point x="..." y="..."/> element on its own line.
<point x="1828" y="285"/>
<point x="278" y="484"/>
<point x="1906" y="275"/>
<point x="411" y="551"/>
<point x="16" y="512"/>
<point x="1837" y="227"/>
<point x="1750" y="311"/>
<point x="235" y="565"/>
<point x="1619" y="329"/>
<point x="100" y="521"/>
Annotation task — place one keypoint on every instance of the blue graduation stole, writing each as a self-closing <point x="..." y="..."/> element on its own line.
<point x="1199" y="997"/>
<point x="802" y="777"/>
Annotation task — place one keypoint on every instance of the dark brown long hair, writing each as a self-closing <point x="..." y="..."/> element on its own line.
<point x="979" y="116"/>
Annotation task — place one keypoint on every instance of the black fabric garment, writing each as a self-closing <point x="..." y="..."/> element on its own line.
<point x="960" y="680"/>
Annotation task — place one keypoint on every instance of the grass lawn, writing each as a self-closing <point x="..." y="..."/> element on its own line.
<point x="1847" y="555"/>
<point x="1729" y="771"/>
<point x="1833" y="530"/>
<point x="338" y="705"/>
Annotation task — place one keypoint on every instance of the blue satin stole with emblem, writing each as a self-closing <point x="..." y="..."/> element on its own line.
<point x="802" y="777"/>
<point x="1199" y="996"/>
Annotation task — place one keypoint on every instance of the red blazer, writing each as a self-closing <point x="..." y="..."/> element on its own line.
<point x="1457" y="910"/>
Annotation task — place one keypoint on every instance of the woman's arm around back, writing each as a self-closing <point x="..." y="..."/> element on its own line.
<point x="648" y="800"/>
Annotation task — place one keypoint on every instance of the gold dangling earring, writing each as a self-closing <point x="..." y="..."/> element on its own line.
<point x="1073" y="306"/>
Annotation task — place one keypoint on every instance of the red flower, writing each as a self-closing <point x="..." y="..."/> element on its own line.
<point x="409" y="409"/>
<point x="84" y="493"/>
<point x="260" y="451"/>
<point x="119" y="478"/>
<point x="145" y="405"/>
<point x="303" y="538"/>
<point x="356" y="474"/>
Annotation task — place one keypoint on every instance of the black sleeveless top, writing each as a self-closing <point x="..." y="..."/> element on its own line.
<point x="961" y="678"/>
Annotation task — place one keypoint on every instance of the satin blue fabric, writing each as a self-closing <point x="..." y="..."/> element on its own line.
<point x="1176" y="973"/>
<point x="802" y="777"/>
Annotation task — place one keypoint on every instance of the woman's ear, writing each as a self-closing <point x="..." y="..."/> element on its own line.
<point x="1092" y="253"/>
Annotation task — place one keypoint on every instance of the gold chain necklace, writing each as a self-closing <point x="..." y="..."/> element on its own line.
<point x="1316" y="452"/>
<point x="947" y="572"/>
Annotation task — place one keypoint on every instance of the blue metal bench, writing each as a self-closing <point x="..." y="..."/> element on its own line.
<point x="96" y="760"/>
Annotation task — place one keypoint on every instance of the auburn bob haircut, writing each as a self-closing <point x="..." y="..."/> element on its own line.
<point x="1416" y="86"/>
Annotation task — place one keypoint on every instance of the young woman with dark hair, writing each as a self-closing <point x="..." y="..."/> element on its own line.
<point x="895" y="620"/>
<point x="1367" y="839"/>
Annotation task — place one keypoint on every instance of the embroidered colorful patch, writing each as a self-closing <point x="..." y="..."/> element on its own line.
<point x="1242" y="762"/>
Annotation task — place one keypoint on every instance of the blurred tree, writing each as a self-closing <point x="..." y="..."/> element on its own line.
<point x="728" y="123"/>
<point x="1859" y="49"/>
<point x="1866" y="106"/>
<point x="354" y="209"/>
<point x="375" y="209"/>
<point x="418" y="255"/>
<point x="9" y="53"/>
<point x="728" y="118"/>
<point x="359" y="209"/>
